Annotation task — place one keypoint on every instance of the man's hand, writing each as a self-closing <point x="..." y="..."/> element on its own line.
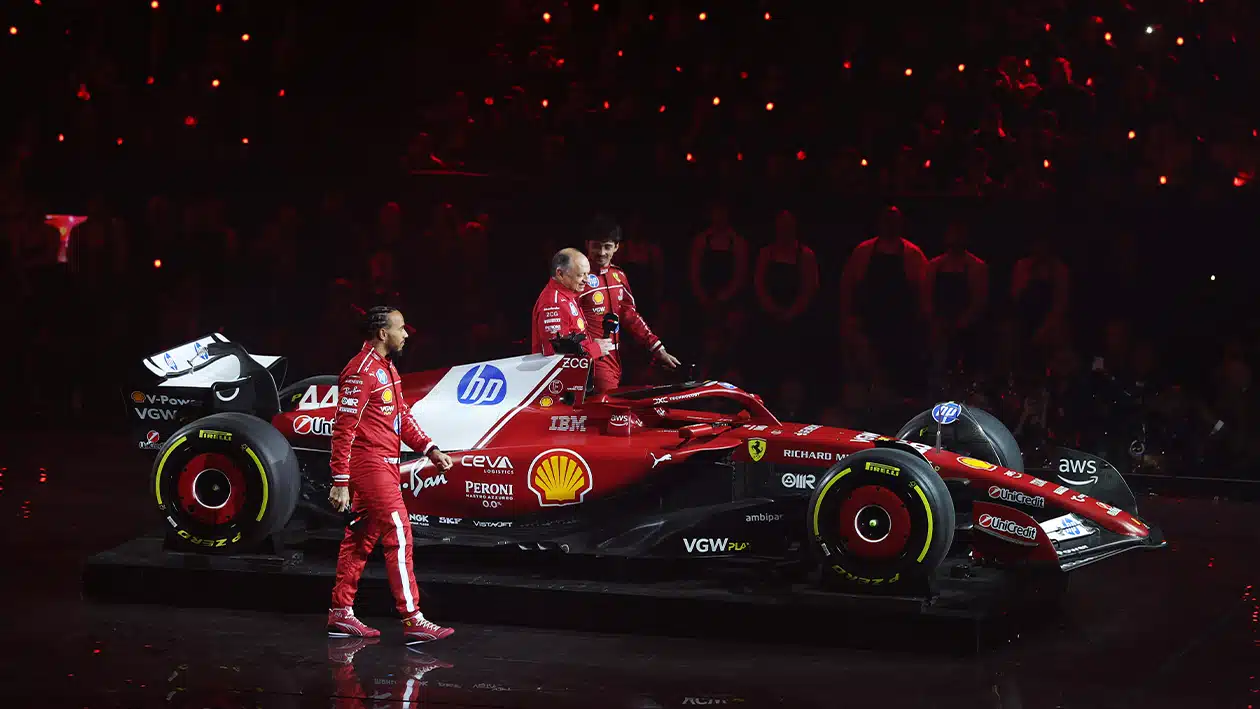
<point x="667" y="359"/>
<point x="440" y="460"/>
<point x="605" y="346"/>
<point x="339" y="498"/>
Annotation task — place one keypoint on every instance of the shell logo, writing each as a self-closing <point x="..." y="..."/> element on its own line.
<point x="977" y="464"/>
<point x="387" y="396"/>
<point x="598" y="297"/>
<point x="581" y="324"/>
<point x="137" y="397"/>
<point x="560" y="477"/>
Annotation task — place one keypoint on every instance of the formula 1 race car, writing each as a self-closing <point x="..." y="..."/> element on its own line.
<point x="695" y="470"/>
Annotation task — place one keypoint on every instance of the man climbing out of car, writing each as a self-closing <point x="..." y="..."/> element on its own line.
<point x="608" y="294"/>
<point x="558" y="325"/>
<point x="371" y="422"/>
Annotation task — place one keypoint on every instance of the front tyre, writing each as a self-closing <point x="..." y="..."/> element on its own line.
<point x="225" y="482"/>
<point x="881" y="517"/>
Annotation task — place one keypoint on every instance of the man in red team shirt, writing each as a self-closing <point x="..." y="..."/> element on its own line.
<point x="557" y="319"/>
<point x="608" y="291"/>
<point x="371" y="422"/>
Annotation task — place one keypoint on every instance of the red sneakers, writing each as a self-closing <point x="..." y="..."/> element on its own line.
<point x="417" y="629"/>
<point x="343" y="624"/>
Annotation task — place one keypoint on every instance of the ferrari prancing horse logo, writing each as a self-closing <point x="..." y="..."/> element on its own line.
<point x="756" y="448"/>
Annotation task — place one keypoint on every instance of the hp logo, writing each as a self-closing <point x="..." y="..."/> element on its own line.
<point x="483" y="385"/>
<point x="946" y="413"/>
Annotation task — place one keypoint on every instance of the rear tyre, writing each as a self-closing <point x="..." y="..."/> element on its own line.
<point x="881" y="517"/>
<point x="225" y="482"/>
<point x="976" y="434"/>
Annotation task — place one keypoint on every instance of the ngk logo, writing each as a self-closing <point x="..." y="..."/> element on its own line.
<point x="1006" y="526"/>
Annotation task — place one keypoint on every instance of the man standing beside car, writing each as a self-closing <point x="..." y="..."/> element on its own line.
<point x="371" y="423"/>
<point x="558" y="325"/>
<point x="608" y="293"/>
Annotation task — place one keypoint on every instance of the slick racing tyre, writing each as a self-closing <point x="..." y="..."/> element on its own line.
<point x="976" y="433"/>
<point x="880" y="517"/>
<point x="225" y="482"/>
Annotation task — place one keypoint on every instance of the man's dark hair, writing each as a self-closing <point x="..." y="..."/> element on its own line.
<point x="560" y="261"/>
<point x="375" y="319"/>
<point x="602" y="229"/>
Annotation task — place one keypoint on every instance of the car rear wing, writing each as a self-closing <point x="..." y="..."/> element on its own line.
<point x="209" y="375"/>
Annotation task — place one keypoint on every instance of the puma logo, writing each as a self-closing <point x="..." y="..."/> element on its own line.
<point x="657" y="461"/>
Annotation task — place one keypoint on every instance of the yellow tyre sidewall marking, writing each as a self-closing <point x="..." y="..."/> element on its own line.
<point x="927" y="508"/>
<point x="157" y="479"/>
<point x="262" y="474"/>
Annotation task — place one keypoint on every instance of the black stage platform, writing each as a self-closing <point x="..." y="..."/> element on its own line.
<point x="1148" y="630"/>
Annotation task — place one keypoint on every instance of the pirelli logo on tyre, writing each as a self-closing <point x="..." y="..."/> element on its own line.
<point x="560" y="477"/>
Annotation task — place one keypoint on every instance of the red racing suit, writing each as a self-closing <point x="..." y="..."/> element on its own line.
<point x="556" y="314"/>
<point x="371" y="422"/>
<point x="609" y="292"/>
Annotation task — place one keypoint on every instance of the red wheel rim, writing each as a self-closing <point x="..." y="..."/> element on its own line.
<point x="211" y="488"/>
<point x="874" y="523"/>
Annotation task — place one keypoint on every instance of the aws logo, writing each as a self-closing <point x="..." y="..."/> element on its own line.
<point x="560" y="477"/>
<point x="1083" y="472"/>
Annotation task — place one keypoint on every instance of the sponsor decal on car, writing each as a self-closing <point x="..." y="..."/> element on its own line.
<point x="657" y="461"/>
<point x="450" y="520"/>
<point x="713" y="546"/>
<point x="155" y="414"/>
<point x="756" y="448"/>
<point x="560" y="477"/>
<point x="1006" y="527"/>
<point x="726" y="385"/>
<point x="976" y="464"/>
<point x="568" y="424"/>
<point x="556" y="386"/>
<point x="576" y="363"/>
<point x="763" y="517"/>
<point x="498" y="524"/>
<point x="483" y="385"/>
<point x="1061" y="489"/>
<point x="546" y="402"/>
<point x="946" y="413"/>
<point x="756" y="427"/>
<point x="798" y="481"/>
<point x="214" y="435"/>
<point x="1001" y="493"/>
<point x="492" y="495"/>
<point x="809" y="455"/>
<point x="1068" y="526"/>
<point x="312" y="400"/>
<point x="422" y="520"/>
<point x="1082" y="472"/>
<point x="305" y="425"/>
<point x="623" y="420"/>
<point x="500" y="465"/>
<point x="161" y="399"/>
<point x="419" y="482"/>
<point x="1038" y="482"/>
<point x="151" y="441"/>
<point x="808" y="430"/>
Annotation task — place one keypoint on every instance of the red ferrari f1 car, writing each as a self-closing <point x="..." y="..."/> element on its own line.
<point x="696" y="470"/>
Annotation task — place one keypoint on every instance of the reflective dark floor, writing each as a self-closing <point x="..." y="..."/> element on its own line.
<point x="1174" y="629"/>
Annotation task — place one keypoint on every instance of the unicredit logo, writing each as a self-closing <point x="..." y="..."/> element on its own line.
<point x="1019" y="498"/>
<point x="1006" y="526"/>
<point x="312" y="426"/>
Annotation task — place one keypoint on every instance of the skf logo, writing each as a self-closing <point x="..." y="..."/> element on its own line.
<point x="756" y="448"/>
<point x="560" y="477"/>
<point x="215" y="435"/>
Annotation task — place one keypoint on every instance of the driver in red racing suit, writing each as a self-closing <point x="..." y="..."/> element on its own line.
<point x="371" y="422"/>
<point x="608" y="292"/>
